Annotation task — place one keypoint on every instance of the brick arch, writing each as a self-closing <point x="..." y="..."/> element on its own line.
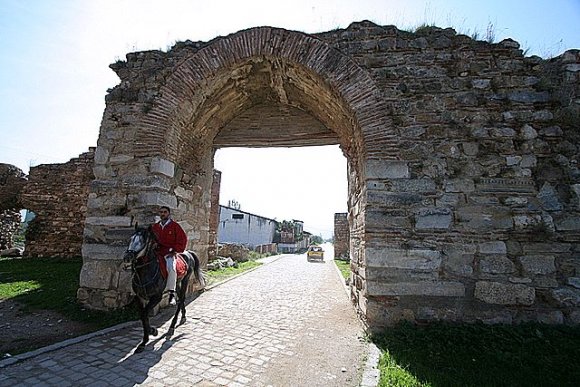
<point x="186" y="96"/>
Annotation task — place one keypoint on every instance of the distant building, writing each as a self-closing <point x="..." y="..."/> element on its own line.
<point x="240" y="227"/>
<point x="294" y="239"/>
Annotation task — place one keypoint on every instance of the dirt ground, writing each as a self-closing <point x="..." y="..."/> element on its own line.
<point x="24" y="331"/>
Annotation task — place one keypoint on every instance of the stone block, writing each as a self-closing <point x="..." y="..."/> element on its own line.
<point x="383" y="220"/>
<point x="450" y="200"/>
<point x="573" y="318"/>
<point x="555" y="317"/>
<point x="413" y="185"/>
<point x="566" y="297"/>
<point x="147" y="182"/>
<point x="386" y="169"/>
<point x="504" y="294"/>
<point x="526" y="221"/>
<point x="393" y="199"/>
<point x="528" y="132"/>
<point x="97" y="275"/>
<point x="422" y="288"/>
<point x="459" y="260"/>
<point x="101" y="155"/>
<point x="403" y="259"/>
<point x="470" y="148"/>
<point x="528" y="161"/>
<point x="548" y="198"/>
<point x="525" y="96"/>
<point x="460" y="185"/>
<point x="552" y="131"/>
<point x="390" y="274"/>
<point x="113" y="221"/>
<point x="502" y="132"/>
<point x="574" y="282"/>
<point x="495" y="247"/>
<point x="119" y="159"/>
<point x="542" y="282"/>
<point x="433" y="218"/>
<point x="97" y="251"/>
<point x="538" y="264"/>
<point x="496" y="264"/>
<point x="515" y="201"/>
<point x="484" y="218"/>
<point x="520" y="280"/>
<point x="162" y="166"/>
<point x="184" y="193"/>
<point x="567" y="223"/>
<point x="554" y="247"/>
<point x="576" y="190"/>
<point x="157" y="199"/>
<point x="412" y="131"/>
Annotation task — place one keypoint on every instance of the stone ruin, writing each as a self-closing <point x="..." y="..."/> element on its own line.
<point x="12" y="179"/>
<point x="464" y="187"/>
<point x="57" y="194"/>
<point x="341" y="236"/>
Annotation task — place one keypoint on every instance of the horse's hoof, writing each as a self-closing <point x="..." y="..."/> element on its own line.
<point x="182" y="321"/>
<point x="153" y="331"/>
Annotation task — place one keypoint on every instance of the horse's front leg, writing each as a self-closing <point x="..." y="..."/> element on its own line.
<point x="180" y="308"/>
<point x="144" y="312"/>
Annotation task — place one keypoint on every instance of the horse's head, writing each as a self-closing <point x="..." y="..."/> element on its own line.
<point x="140" y="240"/>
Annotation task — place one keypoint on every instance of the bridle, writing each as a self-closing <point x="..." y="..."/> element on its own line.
<point x="142" y="246"/>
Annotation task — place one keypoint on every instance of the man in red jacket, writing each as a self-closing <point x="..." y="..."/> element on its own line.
<point x="172" y="240"/>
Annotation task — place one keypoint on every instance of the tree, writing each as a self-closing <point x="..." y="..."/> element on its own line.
<point x="316" y="239"/>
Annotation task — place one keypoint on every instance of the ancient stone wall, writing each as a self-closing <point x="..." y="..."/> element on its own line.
<point x="214" y="215"/>
<point x="462" y="161"/>
<point x="479" y="219"/>
<point x="57" y="194"/>
<point x="12" y="180"/>
<point x="341" y="236"/>
<point x="9" y="224"/>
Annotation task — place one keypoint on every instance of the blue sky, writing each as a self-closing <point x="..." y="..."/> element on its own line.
<point x="54" y="74"/>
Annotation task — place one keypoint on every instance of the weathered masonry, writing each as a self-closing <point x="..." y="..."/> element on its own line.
<point x="464" y="187"/>
<point x="57" y="194"/>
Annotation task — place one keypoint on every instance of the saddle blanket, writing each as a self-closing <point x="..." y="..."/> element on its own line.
<point x="180" y="266"/>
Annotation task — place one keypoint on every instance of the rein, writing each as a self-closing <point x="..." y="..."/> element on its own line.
<point x="151" y="259"/>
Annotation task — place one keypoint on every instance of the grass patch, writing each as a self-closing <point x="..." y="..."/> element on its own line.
<point x="479" y="355"/>
<point x="215" y="276"/>
<point x="344" y="267"/>
<point x="51" y="284"/>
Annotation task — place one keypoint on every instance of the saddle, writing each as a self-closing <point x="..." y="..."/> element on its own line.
<point x="180" y="266"/>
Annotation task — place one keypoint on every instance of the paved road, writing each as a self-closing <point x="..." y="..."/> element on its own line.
<point x="288" y="323"/>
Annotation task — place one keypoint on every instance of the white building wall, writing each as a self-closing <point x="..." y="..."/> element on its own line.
<point x="244" y="228"/>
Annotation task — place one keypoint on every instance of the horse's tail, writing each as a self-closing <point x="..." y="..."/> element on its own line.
<point x="197" y="270"/>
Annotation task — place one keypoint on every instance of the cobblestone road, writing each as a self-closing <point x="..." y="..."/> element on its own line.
<point x="288" y="323"/>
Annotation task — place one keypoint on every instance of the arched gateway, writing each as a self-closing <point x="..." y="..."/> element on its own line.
<point x="450" y="213"/>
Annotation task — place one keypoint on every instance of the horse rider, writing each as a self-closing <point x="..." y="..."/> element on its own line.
<point x="172" y="240"/>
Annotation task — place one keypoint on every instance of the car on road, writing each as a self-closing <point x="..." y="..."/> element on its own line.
<point x="315" y="252"/>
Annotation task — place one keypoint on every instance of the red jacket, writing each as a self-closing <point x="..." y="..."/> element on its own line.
<point x="171" y="238"/>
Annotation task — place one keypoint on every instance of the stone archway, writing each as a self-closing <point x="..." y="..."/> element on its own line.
<point x="455" y="152"/>
<point x="295" y="87"/>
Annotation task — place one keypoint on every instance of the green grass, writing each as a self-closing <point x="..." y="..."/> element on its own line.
<point x="215" y="276"/>
<point x="344" y="268"/>
<point x="52" y="283"/>
<point x="479" y="355"/>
